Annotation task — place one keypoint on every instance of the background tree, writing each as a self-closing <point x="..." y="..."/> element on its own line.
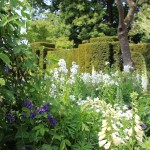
<point x="140" y="28"/>
<point x="50" y="28"/>
<point x="85" y="18"/>
<point x="82" y="16"/>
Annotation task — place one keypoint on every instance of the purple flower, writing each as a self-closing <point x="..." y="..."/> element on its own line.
<point x="32" y="114"/>
<point x="53" y="122"/>
<point x="7" y="69"/>
<point x="49" y="117"/>
<point x="10" y="118"/>
<point x="46" y="107"/>
<point x="29" y="105"/>
<point x="143" y="126"/>
<point x="26" y="148"/>
<point x="43" y="109"/>
<point x="24" y="116"/>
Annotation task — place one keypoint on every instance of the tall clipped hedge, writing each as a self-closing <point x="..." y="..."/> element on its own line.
<point x="96" y="53"/>
<point x="144" y="49"/>
<point x="103" y="49"/>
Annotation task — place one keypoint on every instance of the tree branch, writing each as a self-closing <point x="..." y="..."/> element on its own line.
<point x="132" y="5"/>
<point x="9" y="9"/>
<point x="121" y="12"/>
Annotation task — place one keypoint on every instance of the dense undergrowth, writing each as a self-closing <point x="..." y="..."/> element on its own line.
<point x="67" y="110"/>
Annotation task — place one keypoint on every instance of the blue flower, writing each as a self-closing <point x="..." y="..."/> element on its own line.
<point x="24" y="116"/>
<point x="143" y="126"/>
<point x="7" y="69"/>
<point x="10" y="118"/>
<point x="44" y="108"/>
<point x="26" y="148"/>
<point x="28" y="104"/>
<point x="41" y="110"/>
<point x="32" y="114"/>
<point x="53" y="122"/>
<point x="49" y="117"/>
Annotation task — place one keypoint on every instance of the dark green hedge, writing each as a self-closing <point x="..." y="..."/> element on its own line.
<point x="144" y="49"/>
<point x="104" y="39"/>
<point x="46" y="44"/>
<point x="96" y="53"/>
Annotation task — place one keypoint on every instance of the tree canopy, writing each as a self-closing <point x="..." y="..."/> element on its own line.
<point x="141" y="24"/>
<point x="86" y="18"/>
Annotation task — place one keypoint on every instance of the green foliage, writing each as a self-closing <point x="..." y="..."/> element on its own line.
<point x="146" y="144"/>
<point x="20" y="80"/>
<point x="142" y="23"/>
<point x="104" y="39"/>
<point x="143" y="107"/>
<point x="87" y="19"/>
<point x="142" y="49"/>
<point x="45" y="44"/>
<point x="50" y="29"/>
<point x="5" y="58"/>
<point x="53" y="57"/>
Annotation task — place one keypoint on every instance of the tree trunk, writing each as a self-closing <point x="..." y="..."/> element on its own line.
<point x="124" y="22"/>
<point x="124" y="44"/>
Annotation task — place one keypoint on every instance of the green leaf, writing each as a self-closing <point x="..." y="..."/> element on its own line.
<point x="2" y="81"/>
<point x="63" y="145"/>
<point x="41" y="48"/>
<point x="17" y="50"/>
<point x="11" y="27"/>
<point x="42" y="131"/>
<point x="12" y="18"/>
<point x="3" y="22"/>
<point x="68" y="142"/>
<point x="13" y="3"/>
<point x="25" y="109"/>
<point x="19" y="23"/>
<point x="28" y="53"/>
<point x="46" y="147"/>
<point x="36" y="127"/>
<point x="5" y="58"/>
<point x="24" y="14"/>
<point x="2" y="4"/>
<point x="85" y="127"/>
<point x="58" y="137"/>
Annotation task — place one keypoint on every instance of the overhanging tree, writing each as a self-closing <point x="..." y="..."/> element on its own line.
<point x="124" y="23"/>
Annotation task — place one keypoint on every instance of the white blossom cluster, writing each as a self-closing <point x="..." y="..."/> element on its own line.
<point x="119" y="125"/>
<point x="99" y="77"/>
<point x="61" y="77"/>
<point x="144" y="81"/>
<point x="127" y="68"/>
